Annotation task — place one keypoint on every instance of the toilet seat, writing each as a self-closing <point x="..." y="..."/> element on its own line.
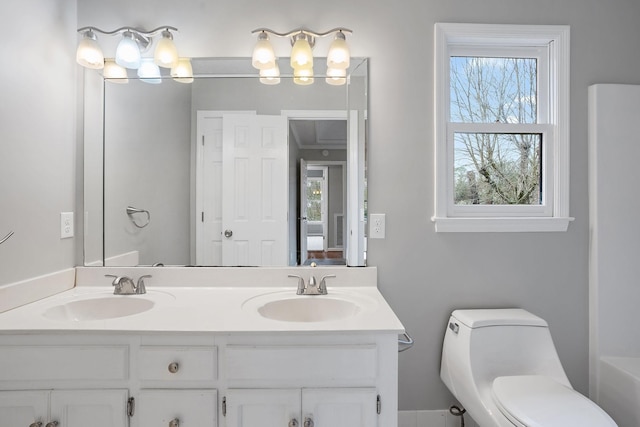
<point x="539" y="401"/>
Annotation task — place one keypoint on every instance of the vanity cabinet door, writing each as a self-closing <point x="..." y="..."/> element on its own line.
<point x="70" y="408"/>
<point x="95" y="408"/>
<point x="176" y="408"/>
<point x="263" y="407"/>
<point x="24" y="408"/>
<point x="340" y="407"/>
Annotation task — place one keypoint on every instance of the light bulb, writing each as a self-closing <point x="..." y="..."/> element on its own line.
<point x="263" y="57"/>
<point x="166" y="53"/>
<point x="303" y="75"/>
<point x="89" y="54"/>
<point x="149" y="71"/>
<point x="114" y="73"/>
<point x="183" y="72"/>
<point x="270" y="76"/>
<point x="336" y="76"/>
<point x="128" y="52"/>
<point x="301" y="55"/>
<point x="338" y="56"/>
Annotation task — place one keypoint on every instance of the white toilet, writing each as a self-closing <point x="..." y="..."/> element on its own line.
<point x="503" y="368"/>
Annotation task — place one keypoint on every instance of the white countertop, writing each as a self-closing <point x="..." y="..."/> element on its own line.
<point x="216" y="309"/>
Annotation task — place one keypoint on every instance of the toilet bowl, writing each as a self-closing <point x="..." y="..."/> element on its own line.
<point x="502" y="366"/>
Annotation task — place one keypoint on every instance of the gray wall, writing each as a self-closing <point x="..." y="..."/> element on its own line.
<point x="38" y="80"/>
<point x="422" y="274"/>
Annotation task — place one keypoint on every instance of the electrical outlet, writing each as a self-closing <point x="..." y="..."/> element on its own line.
<point x="377" y="226"/>
<point x="66" y="225"/>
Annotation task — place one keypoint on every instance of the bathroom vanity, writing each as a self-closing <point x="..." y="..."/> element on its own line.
<point x="203" y="354"/>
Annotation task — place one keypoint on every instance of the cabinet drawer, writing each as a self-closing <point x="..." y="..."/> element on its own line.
<point x="197" y="408"/>
<point x="356" y="363"/>
<point x="166" y="363"/>
<point x="62" y="363"/>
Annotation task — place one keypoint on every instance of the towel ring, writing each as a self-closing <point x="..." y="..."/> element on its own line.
<point x="407" y="342"/>
<point x="131" y="211"/>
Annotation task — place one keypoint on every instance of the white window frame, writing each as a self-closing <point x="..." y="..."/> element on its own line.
<point x="550" y="43"/>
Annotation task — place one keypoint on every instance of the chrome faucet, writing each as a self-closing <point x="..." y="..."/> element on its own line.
<point x="124" y="285"/>
<point x="312" y="288"/>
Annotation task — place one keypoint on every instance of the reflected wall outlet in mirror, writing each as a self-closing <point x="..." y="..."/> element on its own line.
<point x="377" y="226"/>
<point x="66" y="225"/>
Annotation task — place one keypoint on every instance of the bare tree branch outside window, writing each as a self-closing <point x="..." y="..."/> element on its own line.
<point x="495" y="168"/>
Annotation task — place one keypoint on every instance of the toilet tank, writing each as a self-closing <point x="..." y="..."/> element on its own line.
<point x="481" y="345"/>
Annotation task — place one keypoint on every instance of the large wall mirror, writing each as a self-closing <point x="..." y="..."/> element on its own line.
<point x="226" y="170"/>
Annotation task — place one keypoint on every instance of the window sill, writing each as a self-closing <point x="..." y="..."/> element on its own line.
<point x="496" y="225"/>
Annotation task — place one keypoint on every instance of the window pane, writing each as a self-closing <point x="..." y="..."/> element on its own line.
<point x="314" y="199"/>
<point x="497" y="169"/>
<point x="490" y="90"/>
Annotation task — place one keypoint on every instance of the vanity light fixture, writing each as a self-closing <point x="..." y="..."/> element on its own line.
<point x="183" y="71"/>
<point x="302" y="41"/>
<point x="130" y="49"/>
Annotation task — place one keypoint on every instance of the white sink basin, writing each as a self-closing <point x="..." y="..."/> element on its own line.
<point x="100" y="307"/>
<point x="288" y="307"/>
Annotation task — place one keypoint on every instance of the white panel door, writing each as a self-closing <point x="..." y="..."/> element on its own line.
<point x="23" y="408"/>
<point x="263" y="408"/>
<point x="209" y="209"/>
<point x="303" y="212"/>
<point x="95" y="408"/>
<point x="255" y="190"/>
<point x="340" y="407"/>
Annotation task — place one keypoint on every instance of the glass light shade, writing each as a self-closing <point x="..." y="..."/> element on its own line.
<point x="183" y="72"/>
<point x="338" y="56"/>
<point x="336" y="76"/>
<point x="89" y="53"/>
<point x="166" y="53"/>
<point x="263" y="57"/>
<point x="270" y="76"/>
<point x="303" y="76"/>
<point x="128" y="52"/>
<point x="114" y="73"/>
<point x="301" y="55"/>
<point x="149" y="71"/>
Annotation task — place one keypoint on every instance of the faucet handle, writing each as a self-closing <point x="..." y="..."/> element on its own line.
<point x="323" y="283"/>
<point x="140" y="287"/>
<point x="300" y="290"/>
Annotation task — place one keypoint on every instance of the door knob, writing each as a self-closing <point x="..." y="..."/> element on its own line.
<point x="36" y="424"/>
<point x="173" y="367"/>
<point x="293" y="423"/>
<point x="228" y="233"/>
<point x="174" y="423"/>
<point x="308" y="422"/>
<point x="52" y="424"/>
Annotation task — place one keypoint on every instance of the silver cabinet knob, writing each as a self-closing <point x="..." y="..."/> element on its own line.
<point x="52" y="424"/>
<point x="308" y="422"/>
<point x="173" y="367"/>
<point x="293" y="423"/>
<point x="36" y="424"/>
<point x="174" y="423"/>
<point x="228" y="233"/>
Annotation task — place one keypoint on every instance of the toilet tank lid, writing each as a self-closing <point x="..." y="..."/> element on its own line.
<point x="496" y="317"/>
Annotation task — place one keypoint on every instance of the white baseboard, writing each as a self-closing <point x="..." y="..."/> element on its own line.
<point x="437" y="418"/>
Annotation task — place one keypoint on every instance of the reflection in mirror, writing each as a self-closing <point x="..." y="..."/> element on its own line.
<point x="226" y="170"/>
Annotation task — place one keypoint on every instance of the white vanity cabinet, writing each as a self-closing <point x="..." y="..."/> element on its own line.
<point x="325" y="407"/>
<point x="181" y="379"/>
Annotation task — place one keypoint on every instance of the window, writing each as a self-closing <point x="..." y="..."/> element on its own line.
<point x="502" y="128"/>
